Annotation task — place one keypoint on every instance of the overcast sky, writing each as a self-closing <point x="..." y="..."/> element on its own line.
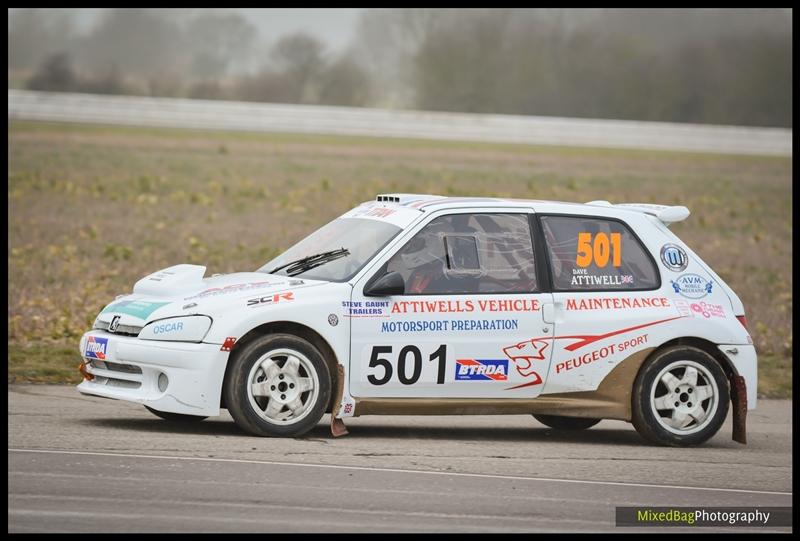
<point x="335" y="26"/>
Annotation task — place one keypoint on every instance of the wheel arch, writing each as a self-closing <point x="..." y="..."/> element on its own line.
<point x="702" y="344"/>
<point x="286" y="327"/>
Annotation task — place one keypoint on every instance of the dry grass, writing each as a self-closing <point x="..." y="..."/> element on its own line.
<point x="92" y="209"/>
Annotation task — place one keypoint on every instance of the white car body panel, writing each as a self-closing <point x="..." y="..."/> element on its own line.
<point x="570" y="340"/>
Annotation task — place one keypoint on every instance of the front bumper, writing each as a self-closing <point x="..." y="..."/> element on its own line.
<point x="134" y="370"/>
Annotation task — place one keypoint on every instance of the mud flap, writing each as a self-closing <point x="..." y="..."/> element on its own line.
<point x="337" y="425"/>
<point x="739" y="403"/>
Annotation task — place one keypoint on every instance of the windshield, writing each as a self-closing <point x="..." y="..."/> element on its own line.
<point x="362" y="238"/>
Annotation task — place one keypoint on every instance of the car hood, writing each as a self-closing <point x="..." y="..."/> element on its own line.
<point x="182" y="290"/>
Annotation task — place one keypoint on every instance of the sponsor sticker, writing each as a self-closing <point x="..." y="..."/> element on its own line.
<point x="140" y="309"/>
<point x="617" y="303"/>
<point x="700" y="309"/>
<point x="449" y="325"/>
<point x="333" y="320"/>
<point x="580" y="277"/>
<point x="365" y="308"/>
<point x="271" y="299"/>
<point x="96" y="348"/>
<point x="600" y="353"/>
<point x="523" y="355"/>
<point x="692" y="286"/>
<point x="674" y="258"/>
<point x="165" y="328"/>
<point x="467" y="305"/>
<point x="214" y="291"/>
<point x="481" y="369"/>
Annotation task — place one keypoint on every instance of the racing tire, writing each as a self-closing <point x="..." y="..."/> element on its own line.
<point x="680" y="397"/>
<point x="566" y="423"/>
<point x="278" y="385"/>
<point x="176" y="417"/>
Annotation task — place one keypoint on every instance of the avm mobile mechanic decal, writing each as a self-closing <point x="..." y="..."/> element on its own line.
<point x="692" y="286"/>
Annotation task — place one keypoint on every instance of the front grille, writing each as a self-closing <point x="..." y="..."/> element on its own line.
<point x="119" y="367"/>
<point x="125" y="330"/>
<point x="115" y="374"/>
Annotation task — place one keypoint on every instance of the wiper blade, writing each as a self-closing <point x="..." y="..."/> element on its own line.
<point x="305" y="263"/>
<point x="316" y="261"/>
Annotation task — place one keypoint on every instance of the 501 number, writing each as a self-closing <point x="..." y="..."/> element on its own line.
<point x="409" y="364"/>
<point x="600" y="250"/>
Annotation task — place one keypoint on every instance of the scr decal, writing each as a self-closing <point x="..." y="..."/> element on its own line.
<point x="481" y="369"/>
<point x="271" y="299"/>
<point x="96" y="348"/>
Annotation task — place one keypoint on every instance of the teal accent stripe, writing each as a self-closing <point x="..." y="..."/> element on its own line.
<point x="140" y="309"/>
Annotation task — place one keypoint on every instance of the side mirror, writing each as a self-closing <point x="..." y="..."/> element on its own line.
<point x="391" y="283"/>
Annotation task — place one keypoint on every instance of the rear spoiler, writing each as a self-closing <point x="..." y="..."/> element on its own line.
<point x="664" y="213"/>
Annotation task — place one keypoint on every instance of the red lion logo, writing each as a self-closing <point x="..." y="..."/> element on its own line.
<point x="523" y="355"/>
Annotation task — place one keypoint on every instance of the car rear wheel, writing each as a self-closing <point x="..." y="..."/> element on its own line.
<point x="566" y="423"/>
<point x="681" y="397"/>
<point x="176" y="417"/>
<point x="278" y="385"/>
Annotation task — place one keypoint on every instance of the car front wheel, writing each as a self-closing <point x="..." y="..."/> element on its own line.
<point x="278" y="385"/>
<point x="680" y="397"/>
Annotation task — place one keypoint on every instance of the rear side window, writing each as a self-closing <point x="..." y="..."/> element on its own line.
<point x="596" y="254"/>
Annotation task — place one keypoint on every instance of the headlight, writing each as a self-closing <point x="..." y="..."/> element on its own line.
<point x="177" y="329"/>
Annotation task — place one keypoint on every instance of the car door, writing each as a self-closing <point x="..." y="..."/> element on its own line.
<point x="609" y="305"/>
<point x="467" y="321"/>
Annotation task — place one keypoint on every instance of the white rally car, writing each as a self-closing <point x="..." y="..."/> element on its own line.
<point x="419" y="304"/>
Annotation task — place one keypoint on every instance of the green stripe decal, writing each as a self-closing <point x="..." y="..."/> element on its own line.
<point x="140" y="309"/>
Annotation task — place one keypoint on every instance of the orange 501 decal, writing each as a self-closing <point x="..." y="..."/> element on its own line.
<point x="599" y="250"/>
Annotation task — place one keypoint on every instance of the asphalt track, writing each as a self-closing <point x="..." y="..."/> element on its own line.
<point x="83" y="464"/>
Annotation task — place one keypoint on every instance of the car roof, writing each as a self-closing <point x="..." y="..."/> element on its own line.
<point x="425" y="202"/>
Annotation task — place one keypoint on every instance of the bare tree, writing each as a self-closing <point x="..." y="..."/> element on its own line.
<point x="299" y="58"/>
<point x="34" y="34"/>
<point x="217" y="41"/>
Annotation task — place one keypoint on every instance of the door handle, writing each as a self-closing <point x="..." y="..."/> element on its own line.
<point x="549" y="312"/>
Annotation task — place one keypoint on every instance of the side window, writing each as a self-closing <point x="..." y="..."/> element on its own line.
<point x="592" y="253"/>
<point x="468" y="253"/>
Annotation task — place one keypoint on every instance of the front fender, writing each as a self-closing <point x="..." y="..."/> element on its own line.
<point x="319" y="308"/>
